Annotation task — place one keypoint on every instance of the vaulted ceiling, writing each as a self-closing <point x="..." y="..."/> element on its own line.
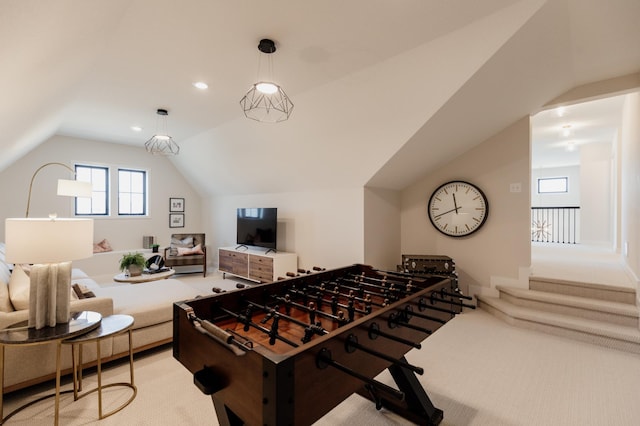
<point x="384" y="90"/>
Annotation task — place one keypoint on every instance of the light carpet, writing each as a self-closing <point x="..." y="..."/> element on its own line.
<point x="478" y="370"/>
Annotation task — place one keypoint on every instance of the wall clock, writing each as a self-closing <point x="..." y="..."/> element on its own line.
<point x="458" y="208"/>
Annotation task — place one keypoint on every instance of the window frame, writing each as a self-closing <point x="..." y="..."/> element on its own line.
<point x="564" y="179"/>
<point x="145" y="192"/>
<point x="107" y="190"/>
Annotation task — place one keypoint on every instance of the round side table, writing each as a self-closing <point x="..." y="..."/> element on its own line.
<point x="21" y="334"/>
<point x="110" y="326"/>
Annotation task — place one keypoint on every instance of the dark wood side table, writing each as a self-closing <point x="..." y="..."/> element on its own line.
<point x="109" y="327"/>
<point x="20" y="334"/>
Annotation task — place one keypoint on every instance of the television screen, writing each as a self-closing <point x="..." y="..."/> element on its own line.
<point x="257" y="227"/>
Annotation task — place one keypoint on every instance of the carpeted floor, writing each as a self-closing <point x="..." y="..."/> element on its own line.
<point x="579" y="262"/>
<point x="478" y="370"/>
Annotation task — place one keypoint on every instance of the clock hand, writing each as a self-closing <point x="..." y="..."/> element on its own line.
<point x="448" y="211"/>
<point x="454" y="203"/>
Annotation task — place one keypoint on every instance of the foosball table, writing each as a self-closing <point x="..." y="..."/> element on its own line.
<point x="287" y="352"/>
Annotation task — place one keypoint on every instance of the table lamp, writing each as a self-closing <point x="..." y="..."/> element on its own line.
<point x="50" y="244"/>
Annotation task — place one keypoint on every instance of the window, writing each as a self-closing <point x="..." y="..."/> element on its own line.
<point x="98" y="204"/>
<point x="132" y="192"/>
<point x="552" y="185"/>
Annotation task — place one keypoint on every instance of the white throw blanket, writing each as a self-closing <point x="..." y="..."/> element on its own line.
<point x="49" y="296"/>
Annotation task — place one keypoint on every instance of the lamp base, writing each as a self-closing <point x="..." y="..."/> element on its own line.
<point x="49" y="294"/>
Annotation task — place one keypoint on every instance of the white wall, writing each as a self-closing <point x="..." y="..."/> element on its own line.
<point x="570" y="198"/>
<point x="630" y="206"/>
<point x="325" y="228"/>
<point x="501" y="248"/>
<point x="382" y="228"/>
<point x="123" y="233"/>
<point x="596" y="195"/>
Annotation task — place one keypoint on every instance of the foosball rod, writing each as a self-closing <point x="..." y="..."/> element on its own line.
<point x="381" y="280"/>
<point x="323" y="289"/>
<point x="309" y="328"/>
<point x="384" y="292"/>
<point x="410" y="311"/>
<point x="305" y="308"/>
<point x="341" y="305"/>
<point x="266" y="331"/>
<point x="445" y="293"/>
<point x="351" y="344"/>
<point x="357" y="289"/>
<point x="285" y="316"/>
<point x="374" y="332"/>
<point x="433" y="296"/>
<point x="423" y="304"/>
<point x="391" y="288"/>
<point x="400" y="319"/>
<point x="414" y="275"/>
<point x="324" y="359"/>
<point x="207" y="328"/>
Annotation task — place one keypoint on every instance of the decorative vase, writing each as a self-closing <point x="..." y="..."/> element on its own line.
<point x="134" y="270"/>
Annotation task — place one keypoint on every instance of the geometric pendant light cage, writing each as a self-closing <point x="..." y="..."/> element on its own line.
<point x="266" y="101"/>
<point x="161" y="143"/>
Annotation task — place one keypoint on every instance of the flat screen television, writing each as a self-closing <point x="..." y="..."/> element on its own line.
<point x="257" y="227"/>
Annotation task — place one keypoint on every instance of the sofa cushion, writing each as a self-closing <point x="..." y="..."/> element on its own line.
<point x="19" y="288"/>
<point x="149" y="303"/>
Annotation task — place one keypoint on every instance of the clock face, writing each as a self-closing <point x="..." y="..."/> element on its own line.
<point x="458" y="208"/>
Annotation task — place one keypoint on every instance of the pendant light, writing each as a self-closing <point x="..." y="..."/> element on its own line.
<point x="161" y="143"/>
<point x="266" y="101"/>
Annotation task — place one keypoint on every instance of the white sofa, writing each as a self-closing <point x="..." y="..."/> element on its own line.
<point x="150" y="304"/>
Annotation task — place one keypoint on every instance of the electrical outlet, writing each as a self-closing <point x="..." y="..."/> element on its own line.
<point x="515" y="187"/>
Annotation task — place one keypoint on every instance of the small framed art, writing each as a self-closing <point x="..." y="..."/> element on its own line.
<point x="176" y="205"/>
<point x="176" y="220"/>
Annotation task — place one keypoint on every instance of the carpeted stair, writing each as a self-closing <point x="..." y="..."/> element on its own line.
<point x="595" y="313"/>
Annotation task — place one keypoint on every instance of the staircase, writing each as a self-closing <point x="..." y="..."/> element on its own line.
<point x="595" y="313"/>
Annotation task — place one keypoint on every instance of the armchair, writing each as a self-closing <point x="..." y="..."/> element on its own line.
<point x="186" y="250"/>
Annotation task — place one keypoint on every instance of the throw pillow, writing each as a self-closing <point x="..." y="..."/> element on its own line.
<point x="186" y="242"/>
<point x="19" y="288"/>
<point x="82" y="291"/>
<point x="5" y="302"/>
<point x="5" y="277"/>
<point x="102" y="246"/>
<point x="188" y="251"/>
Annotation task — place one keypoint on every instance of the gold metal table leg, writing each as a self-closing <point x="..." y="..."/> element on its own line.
<point x="1" y="384"/>
<point x="58" y="366"/>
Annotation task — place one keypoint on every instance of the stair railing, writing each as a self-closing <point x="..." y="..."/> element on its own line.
<point x="555" y="225"/>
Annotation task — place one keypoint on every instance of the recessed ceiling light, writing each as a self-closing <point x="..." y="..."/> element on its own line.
<point x="136" y="128"/>
<point x="200" y="85"/>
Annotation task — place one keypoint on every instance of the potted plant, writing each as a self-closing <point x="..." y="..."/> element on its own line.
<point x="154" y="247"/>
<point x="134" y="263"/>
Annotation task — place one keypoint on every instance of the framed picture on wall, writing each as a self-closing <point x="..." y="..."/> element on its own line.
<point x="176" y="204"/>
<point x="176" y="220"/>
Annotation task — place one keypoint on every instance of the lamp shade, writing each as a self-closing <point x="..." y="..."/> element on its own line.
<point x="74" y="188"/>
<point x="45" y="240"/>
